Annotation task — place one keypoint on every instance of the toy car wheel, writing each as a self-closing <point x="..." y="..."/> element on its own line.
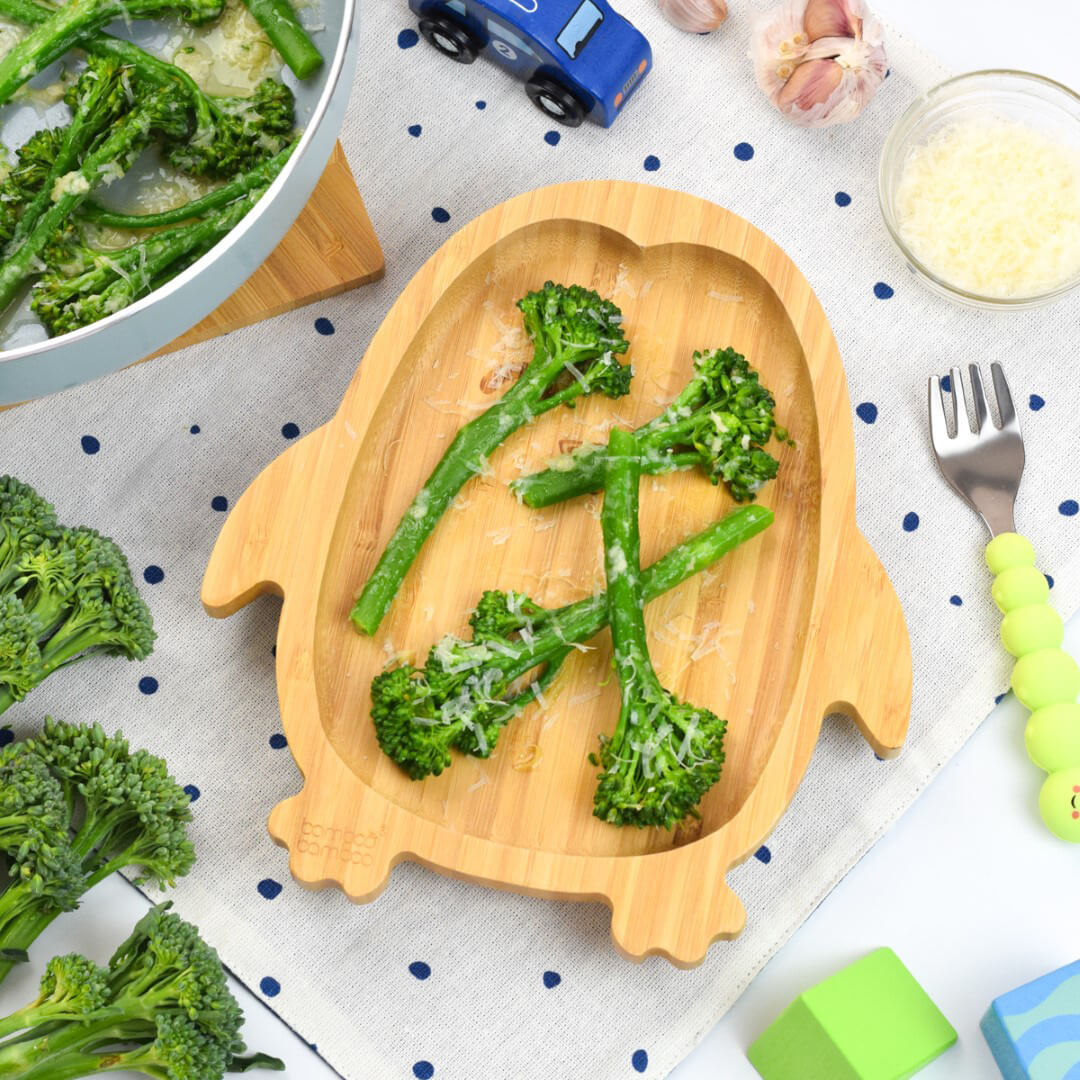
<point x="555" y="101"/>
<point x="449" y="38"/>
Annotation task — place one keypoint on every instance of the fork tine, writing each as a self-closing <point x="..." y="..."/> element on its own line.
<point x="960" y="405"/>
<point x="1004" y="399"/>
<point x="978" y="396"/>
<point x="939" y="426"/>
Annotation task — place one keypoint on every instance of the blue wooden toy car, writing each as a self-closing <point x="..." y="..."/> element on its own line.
<point x="578" y="58"/>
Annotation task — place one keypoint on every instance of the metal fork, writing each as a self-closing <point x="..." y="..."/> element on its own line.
<point x="983" y="462"/>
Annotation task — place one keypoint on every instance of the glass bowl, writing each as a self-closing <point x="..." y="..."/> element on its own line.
<point x="1040" y="103"/>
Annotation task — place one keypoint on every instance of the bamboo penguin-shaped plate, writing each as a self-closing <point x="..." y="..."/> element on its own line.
<point x="797" y="622"/>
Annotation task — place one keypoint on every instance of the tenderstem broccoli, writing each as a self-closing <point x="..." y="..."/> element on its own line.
<point x="76" y="805"/>
<point x="721" y="423"/>
<point x="468" y="690"/>
<point x="76" y="19"/>
<point x="64" y="594"/>
<point x="576" y="337"/>
<point x="84" y="284"/>
<point x="287" y="34"/>
<point x="664" y="754"/>
<point x="161" y="1008"/>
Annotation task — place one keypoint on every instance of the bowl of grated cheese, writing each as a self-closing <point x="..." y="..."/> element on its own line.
<point x="979" y="186"/>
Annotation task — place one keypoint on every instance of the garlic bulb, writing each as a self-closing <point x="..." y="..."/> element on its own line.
<point x="819" y="61"/>
<point x="697" y="16"/>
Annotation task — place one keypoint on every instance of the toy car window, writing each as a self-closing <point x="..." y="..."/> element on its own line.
<point x="456" y="5"/>
<point x="575" y="35"/>
<point x="509" y="37"/>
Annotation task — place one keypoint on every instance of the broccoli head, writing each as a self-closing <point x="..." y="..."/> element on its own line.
<point x="244" y="132"/>
<point x="582" y="333"/>
<point x="33" y="161"/>
<point x="26" y="519"/>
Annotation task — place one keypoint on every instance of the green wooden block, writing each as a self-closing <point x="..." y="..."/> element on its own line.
<point x="871" y="1021"/>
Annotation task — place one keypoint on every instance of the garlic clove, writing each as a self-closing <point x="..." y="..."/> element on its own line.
<point x="695" y="16"/>
<point x="811" y="83"/>
<point x="832" y="18"/>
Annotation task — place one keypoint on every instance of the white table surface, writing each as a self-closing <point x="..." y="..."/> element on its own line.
<point x="968" y="888"/>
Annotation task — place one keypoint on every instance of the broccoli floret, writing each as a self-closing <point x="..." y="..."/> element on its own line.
<point x="33" y="161"/>
<point x="577" y="337"/>
<point x="76" y="594"/>
<point x="78" y="805"/>
<point x="26" y="519"/>
<point x="721" y="423"/>
<point x="162" y="1008"/>
<point x="664" y="754"/>
<point x="245" y="132"/>
<point x="467" y="691"/>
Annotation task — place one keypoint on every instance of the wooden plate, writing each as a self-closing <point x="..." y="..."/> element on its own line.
<point x="798" y="622"/>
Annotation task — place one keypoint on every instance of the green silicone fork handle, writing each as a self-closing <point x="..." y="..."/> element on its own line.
<point x="1045" y="678"/>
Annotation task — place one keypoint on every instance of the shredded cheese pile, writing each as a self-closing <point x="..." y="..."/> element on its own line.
<point x="992" y="206"/>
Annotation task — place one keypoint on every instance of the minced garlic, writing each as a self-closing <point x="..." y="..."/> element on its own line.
<point x="992" y="206"/>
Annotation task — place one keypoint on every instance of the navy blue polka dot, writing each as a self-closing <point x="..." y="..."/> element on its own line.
<point x="324" y="326"/>
<point x="6" y="736"/>
<point x="278" y="741"/>
<point x="1036" y="402"/>
<point x="423" y="1070"/>
<point x="552" y="138"/>
<point x="153" y="575"/>
<point x="866" y="411"/>
<point x="842" y="198"/>
<point x="481" y="105"/>
<point x="911" y="521"/>
<point x="999" y="698"/>
<point x="194" y="429"/>
<point x="419" y="970"/>
<point x="639" y="1060"/>
<point x="290" y="430"/>
<point x="273" y="649"/>
<point x="879" y="757"/>
<point x="763" y="854"/>
<point x="955" y="600"/>
<point x="90" y="445"/>
<point x="440" y="215"/>
<point x="219" y="502"/>
<point x="148" y="684"/>
<point x="651" y="163"/>
<point x="1049" y="580"/>
<point x="270" y="987"/>
<point x="407" y="39"/>
<point x="946" y="383"/>
<point x="269" y="889"/>
<point x="414" y="130"/>
<point x="883" y="291"/>
<point x="192" y="792"/>
<point x="743" y="151"/>
<point x="1069" y="507"/>
<point x="552" y="979"/>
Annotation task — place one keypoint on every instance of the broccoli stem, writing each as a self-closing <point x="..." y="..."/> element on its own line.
<point x="622" y="563"/>
<point x="259" y="177"/>
<point x="585" y="619"/>
<point x="288" y="36"/>
<point x="465" y="457"/>
<point x="127" y="136"/>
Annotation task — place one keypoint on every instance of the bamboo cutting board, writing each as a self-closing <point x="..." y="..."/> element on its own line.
<point x="796" y="623"/>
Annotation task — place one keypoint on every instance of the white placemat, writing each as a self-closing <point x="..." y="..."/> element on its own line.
<point x="439" y="978"/>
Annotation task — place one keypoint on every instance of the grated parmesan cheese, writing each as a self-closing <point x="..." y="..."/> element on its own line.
<point x="992" y="206"/>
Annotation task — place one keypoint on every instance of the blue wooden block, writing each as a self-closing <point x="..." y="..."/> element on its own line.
<point x="1034" y="1031"/>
